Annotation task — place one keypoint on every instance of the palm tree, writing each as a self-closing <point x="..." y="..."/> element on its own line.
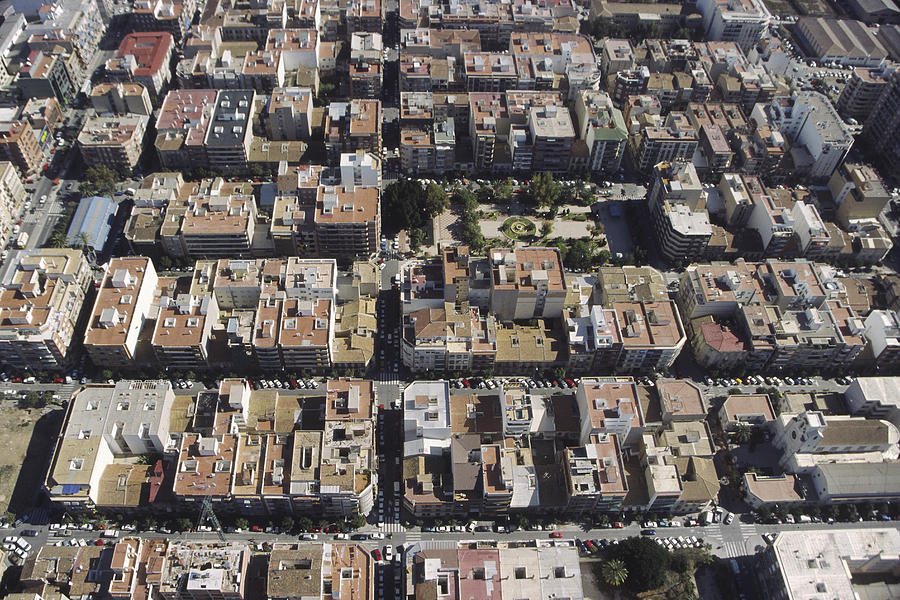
<point x="58" y="240"/>
<point x="82" y="241"/>
<point x="614" y="572"/>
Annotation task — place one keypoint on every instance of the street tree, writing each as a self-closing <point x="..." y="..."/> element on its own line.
<point x="436" y="200"/>
<point x="645" y="560"/>
<point x="543" y="191"/>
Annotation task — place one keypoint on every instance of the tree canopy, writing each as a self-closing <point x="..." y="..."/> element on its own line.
<point x="543" y="191"/>
<point x="402" y="207"/>
<point x="646" y="562"/>
<point x="99" y="179"/>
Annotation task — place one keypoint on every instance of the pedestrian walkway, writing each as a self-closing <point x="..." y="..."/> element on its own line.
<point x="389" y="377"/>
<point x="734" y="548"/>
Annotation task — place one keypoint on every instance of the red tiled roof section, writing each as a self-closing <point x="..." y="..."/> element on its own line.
<point x="149" y="48"/>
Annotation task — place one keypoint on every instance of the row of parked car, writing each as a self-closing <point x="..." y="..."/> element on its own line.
<point x="761" y="380"/>
<point x="17" y="549"/>
<point x="481" y="384"/>
<point x="287" y="384"/>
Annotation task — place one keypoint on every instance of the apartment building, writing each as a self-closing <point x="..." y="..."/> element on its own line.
<point x="488" y="125"/>
<point x="19" y="146"/>
<point x="43" y="112"/>
<point x="593" y="338"/>
<point x="631" y="82"/>
<point x="451" y="338"/>
<point x="12" y="192"/>
<point x="41" y="297"/>
<point x="718" y="290"/>
<point x="114" y="142"/>
<point x="610" y="406"/>
<point x="552" y="135"/>
<point x="672" y="141"/>
<point x="809" y="121"/>
<point x="122" y="306"/>
<point x="527" y="283"/>
<point x="45" y="74"/>
<point x="204" y="571"/>
<point x="429" y="150"/>
<point x="347" y="221"/>
<point x="217" y="223"/>
<point x="352" y="126"/>
<point x="181" y="128"/>
<point x="602" y="128"/>
<point x="718" y="346"/>
<point x="489" y="72"/>
<point x="679" y="479"/>
<point x="121" y="98"/>
<point x="230" y="131"/>
<point x="298" y="47"/>
<point x="75" y="26"/>
<point x="741" y="21"/>
<point x="774" y="222"/>
<point x="143" y="58"/>
<point x="184" y="323"/>
<point x="882" y="129"/>
<point x="415" y="73"/>
<point x="617" y="55"/>
<point x="537" y="567"/>
<point x="361" y="169"/>
<point x="301" y="570"/>
<point x="162" y="15"/>
<point x="106" y="426"/>
<point x="595" y="476"/>
<point x="652" y="335"/>
<point x="304" y="339"/>
<point x="859" y="194"/>
<point x="883" y="336"/>
<point x="861" y="92"/>
<point x="678" y="208"/>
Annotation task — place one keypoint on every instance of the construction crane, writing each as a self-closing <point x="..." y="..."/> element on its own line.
<point x="208" y="514"/>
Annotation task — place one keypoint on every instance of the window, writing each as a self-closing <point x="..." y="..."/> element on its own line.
<point x="123" y="406"/>
<point x="521" y="573"/>
<point x="76" y="464"/>
<point x="85" y="434"/>
<point x="150" y="405"/>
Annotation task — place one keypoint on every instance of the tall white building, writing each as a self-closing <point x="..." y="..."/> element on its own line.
<point x="360" y="168"/>
<point x="739" y="21"/>
<point x="819" y="139"/>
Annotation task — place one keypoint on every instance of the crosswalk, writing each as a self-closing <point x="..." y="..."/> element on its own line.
<point x="734" y="548"/>
<point x="389" y="377"/>
<point x="392" y="525"/>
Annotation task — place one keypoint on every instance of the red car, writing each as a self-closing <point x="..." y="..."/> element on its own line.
<point x="618" y="525"/>
<point x="29" y="180"/>
<point x="377" y="554"/>
<point x="56" y="181"/>
<point x="556" y="534"/>
<point x="58" y="380"/>
<point x="256" y="528"/>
